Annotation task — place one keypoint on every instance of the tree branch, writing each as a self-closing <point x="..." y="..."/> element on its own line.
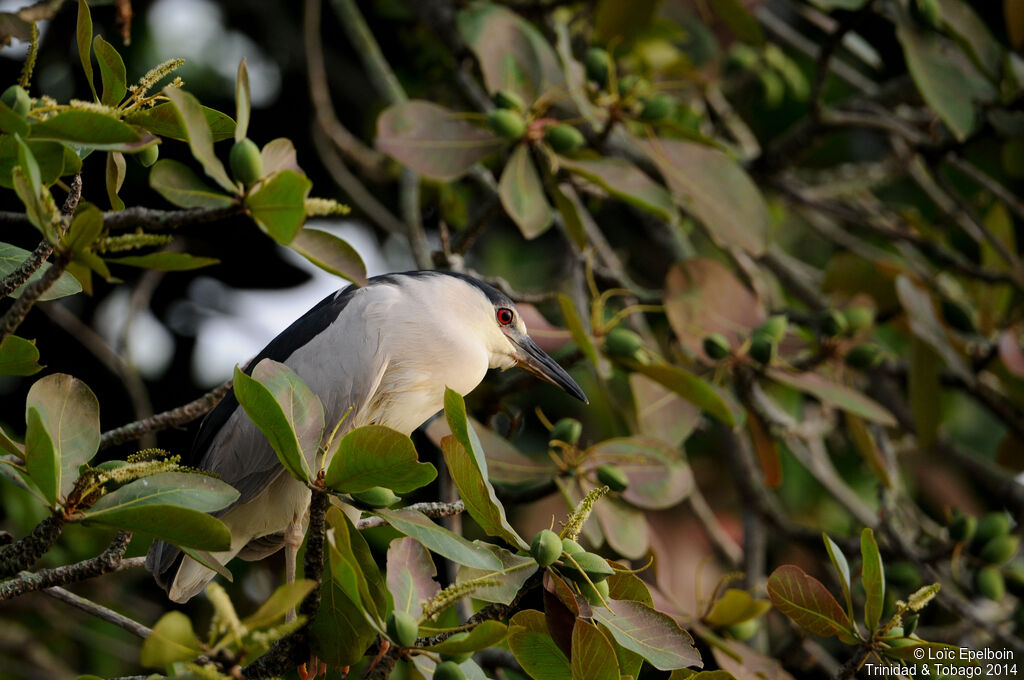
<point x="99" y="611"/>
<point x="23" y="553"/>
<point x="167" y="419"/>
<point x="433" y="509"/>
<point x="149" y="219"/>
<point x="108" y="561"/>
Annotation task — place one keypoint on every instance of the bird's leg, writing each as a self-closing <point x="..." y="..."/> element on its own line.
<point x="293" y="536"/>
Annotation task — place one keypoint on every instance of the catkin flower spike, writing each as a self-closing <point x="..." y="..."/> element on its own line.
<point x="447" y="597"/>
<point x="574" y="525"/>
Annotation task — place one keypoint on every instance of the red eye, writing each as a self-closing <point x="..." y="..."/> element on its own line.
<point x="505" y="316"/>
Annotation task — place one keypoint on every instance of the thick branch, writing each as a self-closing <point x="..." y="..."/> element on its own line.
<point x="25" y="269"/>
<point x="433" y="509"/>
<point x="167" y="419"/>
<point x="22" y="554"/>
<point x="149" y="219"/>
<point x="109" y="560"/>
<point x="32" y="292"/>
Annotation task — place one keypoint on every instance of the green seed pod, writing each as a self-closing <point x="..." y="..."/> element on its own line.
<point x="376" y="497"/>
<point x="546" y="547"/>
<point x="904" y="575"/>
<point x="148" y="155"/>
<point x="657" y="107"/>
<point x="1014" y="577"/>
<point x="567" y="430"/>
<point x="927" y="12"/>
<point x="863" y="356"/>
<point x="895" y="632"/>
<point x="614" y="478"/>
<point x="910" y="624"/>
<point x="402" y="628"/>
<point x="990" y="583"/>
<point x="744" y="630"/>
<point x="448" y="670"/>
<point x="595" y="567"/>
<point x="571" y="547"/>
<point x="957" y="316"/>
<point x="762" y="349"/>
<point x="597" y="64"/>
<point x="563" y="138"/>
<point x="962" y="528"/>
<point x="1000" y="549"/>
<point x="506" y="99"/>
<point x="774" y="328"/>
<point x="859" y="319"/>
<point x="717" y="346"/>
<point x="742" y="56"/>
<point x="622" y="342"/>
<point x="600" y="588"/>
<point x="245" y="161"/>
<point x="16" y="99"/>
<point x="833" y="323"/>
<point x="507" y="123"/>
<point x="991" y="525"/>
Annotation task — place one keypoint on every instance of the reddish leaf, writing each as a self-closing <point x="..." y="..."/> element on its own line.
<point x="766" y="450"/>
<point x="593" y="656"/>
<point x="1010" y="352"/>
<point x="658" y="476"/>
<point x="807" y="602"/>
<point x="835" y="394"/>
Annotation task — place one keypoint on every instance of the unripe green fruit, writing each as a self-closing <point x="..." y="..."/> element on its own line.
<point x="774" y="328"/>
<point x="245" y="161"/>
<point x="745" y="630"/>
<point x="1000" y="549"/>
<point x="506" y="99"/>
<point x="910" y="624"/>
<point x="717" y="346"/>
<point x="594" y="566"/>
<point x="957" y="316"/>
<point x="611" y="476"/>
<point x="1014" y="577"/>
<point x="448" y="670"/>
<point x="571" y="547"/>
<point x="863" y="356"/>
<point x="927" y="12"/>
<point x="596" y="62"/>
<point x="507" y="123"/>
<point x="834" y="323"/>
<point x="148" y="155"/>
<point x="895" y="632"/>
<point x="563" y="138"/>
<point x="567" y="430"/>
<point x="376" y="497"/>
<point x="622" y="342"/>
<point x="657" y="107"/>
<point x="859" y="319"/>
<point x="903" y="574"/>
<point x="742" y="56"/>
<point x="402" y="628"/>
<point x="16" y="99"/>
<point x="546" y="547"/>
<point x="762" y="349"/>
<point x="991" y="525"/>
<point x="962" y="528"/>
<point x="990" y="583"/>
<point x="592" y="593"/>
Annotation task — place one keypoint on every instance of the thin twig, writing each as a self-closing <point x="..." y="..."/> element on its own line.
<point x="100" y="612"/>
<point x="149" y="219"/>
<point x="167" y="419"/>
<point x="30" y="295"/>
<point x="430" y="509"/>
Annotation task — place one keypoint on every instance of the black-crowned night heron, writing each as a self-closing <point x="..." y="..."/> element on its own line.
<point x="386" y="351"/>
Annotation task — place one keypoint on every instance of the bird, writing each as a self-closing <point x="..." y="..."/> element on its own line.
<point x="382" y="353"/>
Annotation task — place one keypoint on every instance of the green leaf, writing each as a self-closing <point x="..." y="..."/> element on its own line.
<point x="85" y="229"/>
<point x="513" y="573"/>
<point x="506" y="465"/>
<point x="661" y="413"/>
<point x="623" y="526"/>
<point x="12" y="122"/>
<point x="178" y="184"/>
<point x="651" y="634"/>
<point x="440" y="540"/>
<point x="873" y="578"/>
<point x="410" y="575"/>
<point x="18" y="356"/>
<point x="691" y="388"/>
<point x="535" y="650"/>
<point x="279" y="154"/>
<point x="192" y="491"/>
<point x="842" y="567"/>
<point x="971" y="31"/>
<point x="432" y="140"/>
<point x="199" y="136"/>
<point x="283" y="600"/>
<point x="84" y="34"/>
<point x="808" y="603"/>
<point x="90" y="129"/>
<point x="286" y="411"/>
<point x="63" y="419"/>
<point x="38" y="213"/>
<point x="165" y="261"/>
<point x="172" y="639"/>
<point x="353" y="565"/>
<point x="735" y="606"/>
<point x="624" y="180"/>
<point x="575" y="325"/>
<point x="924" y="388"/>
<point x="242" y="101"/>
<point x="522" y="194"/>
<point x="924" y="323"/>
<point x="739" y="20"/>
<point x="571" y="210"/>
<point x="617" y="21"/>
<point x="716" y="190"/>
<point x="340" y="632"/>
<point x="833" y="393"/>
<point x="28" y="164"/>
<point x="483" y="635"/>
<point x="468" y="467"/>
<point x="513" y="55"/>
<point x="279" y="205"/>
<point x="374" y="455"/>
<point x="112" y="73"/>
<point x="593" y="656"/>
<point x="171" y="523"/>
<point x="163" y="120"/>
<point x="331" y="254"/>
<point x="115" y="178"/>
<point x="11" y="258"/>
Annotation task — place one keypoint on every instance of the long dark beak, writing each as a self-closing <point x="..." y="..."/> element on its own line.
<point x="533" y="359"/>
